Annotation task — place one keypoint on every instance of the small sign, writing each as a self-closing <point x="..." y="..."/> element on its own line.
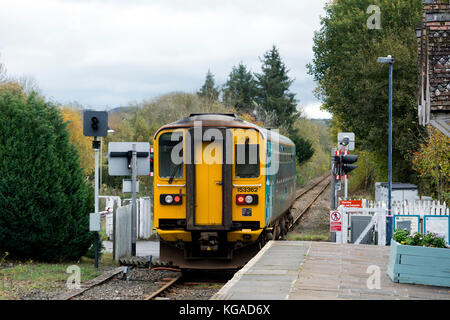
<point x="349" y="138"/>
<point x="126" y="185"/>
<point x="408" y="222"/>
<point x="94" y="222"/>
<point x="351" y="203"/>
<point x="246" y="212"/>
<point x="337" y="185"/>
<point x="437" y="224"/>
<point x="119" y="158"/>
<point x="335" y="221"/>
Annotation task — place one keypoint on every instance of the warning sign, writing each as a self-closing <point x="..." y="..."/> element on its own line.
<point x="351" y="203"/>
<point x="335" y="221"/>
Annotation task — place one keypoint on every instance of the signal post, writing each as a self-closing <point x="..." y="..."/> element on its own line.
<point x="95" y="124"/>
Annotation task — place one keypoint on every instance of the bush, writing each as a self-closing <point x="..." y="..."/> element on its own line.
<point x="44" y="199"/>
<point x="430" y="239"/>
<point x="91" y="251"/>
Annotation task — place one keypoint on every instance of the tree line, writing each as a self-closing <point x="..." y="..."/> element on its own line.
<point x="354" y="88"/>
<point x="46" y="188"/>
<point x="265" y="96"/>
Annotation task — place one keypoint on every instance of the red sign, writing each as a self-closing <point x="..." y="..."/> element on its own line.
<point x="335" y="221"/>
<point x="351" y="203"/>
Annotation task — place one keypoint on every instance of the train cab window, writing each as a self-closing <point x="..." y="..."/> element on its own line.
<point x="171" y="155"/>
<point x="246" y="160"/>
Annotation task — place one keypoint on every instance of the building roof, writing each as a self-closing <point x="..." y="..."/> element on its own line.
<point x="399" y="186"/>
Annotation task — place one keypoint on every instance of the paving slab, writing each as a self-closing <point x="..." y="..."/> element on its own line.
<point x="305" y="270"/>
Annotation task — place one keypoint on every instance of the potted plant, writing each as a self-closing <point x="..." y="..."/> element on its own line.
<point x="419" y="258"/>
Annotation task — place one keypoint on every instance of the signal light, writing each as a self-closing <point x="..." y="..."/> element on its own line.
<point x="342" y="164"/>
<point x="177" y="199"/>
<point x="347" y="165"/>
<point x="94" y="123"/>
<point x="151" y="162"/>
<point x="246" y="199"/>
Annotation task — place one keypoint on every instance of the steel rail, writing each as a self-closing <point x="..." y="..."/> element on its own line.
<point x="163" y="288"/>
<point x="325" y="176"/>
<point x="87" y="286"/>
<point x="306" y="208"/>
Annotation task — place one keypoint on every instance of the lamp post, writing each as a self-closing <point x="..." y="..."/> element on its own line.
<point x="389" y="60"/>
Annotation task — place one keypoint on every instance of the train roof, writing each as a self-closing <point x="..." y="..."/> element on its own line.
<point x="230" y="120"/>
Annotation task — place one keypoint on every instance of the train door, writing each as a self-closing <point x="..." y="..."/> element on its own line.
<point x="209" y="180"/>
<point x="208" y="188"/>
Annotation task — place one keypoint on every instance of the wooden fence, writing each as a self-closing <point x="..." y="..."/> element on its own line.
<point x="144" y="222"/>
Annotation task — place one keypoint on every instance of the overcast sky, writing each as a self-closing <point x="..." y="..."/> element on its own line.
<point x="108" y="53"/>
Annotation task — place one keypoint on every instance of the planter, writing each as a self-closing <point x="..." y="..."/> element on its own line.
<point x="419" y="265"/>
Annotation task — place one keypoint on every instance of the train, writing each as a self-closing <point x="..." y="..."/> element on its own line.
<point x="223" y="187"/>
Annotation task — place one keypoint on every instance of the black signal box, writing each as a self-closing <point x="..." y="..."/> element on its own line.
<point x="95" y="123"/>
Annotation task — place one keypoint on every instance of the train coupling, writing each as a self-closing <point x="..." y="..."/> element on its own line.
<point x="209" y="241"/>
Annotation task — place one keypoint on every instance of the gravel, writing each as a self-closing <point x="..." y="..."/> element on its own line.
<point x="314" y="224"/>
<point x="193" y="292"/>
<point x="141" y="283"/>
<point x="317" y="217"/>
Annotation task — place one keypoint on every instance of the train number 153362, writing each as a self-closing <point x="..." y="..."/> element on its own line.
<point x="247" y="189"/>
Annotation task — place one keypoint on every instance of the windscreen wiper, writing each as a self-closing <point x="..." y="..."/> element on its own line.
<point x="173" y="173"/>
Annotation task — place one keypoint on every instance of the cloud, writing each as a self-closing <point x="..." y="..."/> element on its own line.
<point x="107" y="53"/>
<point x="313" y="111"/>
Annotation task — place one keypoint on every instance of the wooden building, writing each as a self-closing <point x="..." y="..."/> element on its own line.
<point x="433" y="36"/>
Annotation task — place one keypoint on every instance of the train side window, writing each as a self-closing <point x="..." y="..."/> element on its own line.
<point x="171" y="168"/>
<point x="246" y="160"/>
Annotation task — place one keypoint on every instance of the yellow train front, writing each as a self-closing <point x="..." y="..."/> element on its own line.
<point x="222" y="188"/>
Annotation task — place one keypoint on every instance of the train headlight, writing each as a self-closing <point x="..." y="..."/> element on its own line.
<point x="173" y="199"/>
<point x="168" y="199"/>
<point x="246" y="199"/>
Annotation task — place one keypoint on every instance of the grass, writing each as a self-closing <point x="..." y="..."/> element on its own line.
<point x="22" y="278"/>
<point x="300" y="236"/>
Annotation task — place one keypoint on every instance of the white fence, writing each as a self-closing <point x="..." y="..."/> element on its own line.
<point x="419" y="207"/>
<point x="378" y="210"/>
<point x="378" y="220"/>
<point x="144" y="227"/>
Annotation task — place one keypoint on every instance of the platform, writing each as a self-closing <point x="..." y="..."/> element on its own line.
<point x="297" y="270"/>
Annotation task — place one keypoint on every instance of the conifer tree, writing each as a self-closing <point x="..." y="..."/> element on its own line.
<point x="44" y="199"/>
<point x="208" y="90"/>
<point x="240" y="89"/>
<point x="273" y="95"/>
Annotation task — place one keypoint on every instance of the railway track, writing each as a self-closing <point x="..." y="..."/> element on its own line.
<point x="160" y="283"/>
<point x="170" y="283"/>
<point x="190" y="285"/>
<point x="305" y="198"/>
<point x="317" y="189"/>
